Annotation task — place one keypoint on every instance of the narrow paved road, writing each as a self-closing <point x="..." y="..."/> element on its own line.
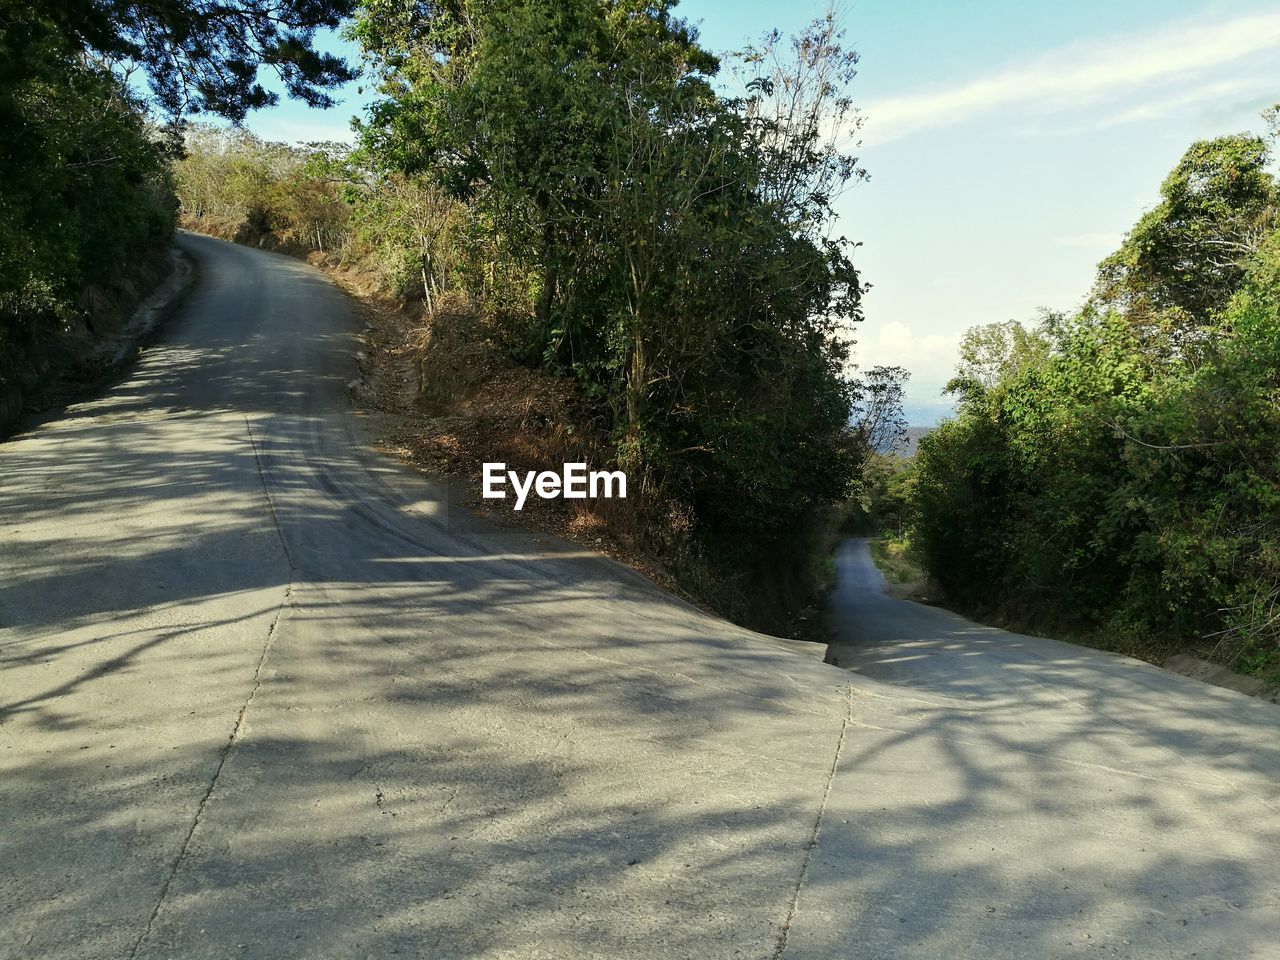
<point x="1022" y="797"/>
<point x="264" y="694"/>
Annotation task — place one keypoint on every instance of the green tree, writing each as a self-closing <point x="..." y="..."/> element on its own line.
<point x="197" y="57"/>
<point x="994" y="352"/>
<point x="674" y="246"/>
<point x="1121" y="477"/>
<point x="1184" y="259"/>
<point x="85" y="169"/>
<point x="514" y="106"/>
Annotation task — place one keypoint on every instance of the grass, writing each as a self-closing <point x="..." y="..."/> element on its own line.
<point x="890" y="555"/>
<point x="1263" y="664"/>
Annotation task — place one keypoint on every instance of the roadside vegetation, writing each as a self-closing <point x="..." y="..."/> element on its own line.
<point x="1114" y="475"/>
<point x="90" y="98"/>
<point x="85" y="209"/>
<point x="597" y="247"/>
<point x="893" y="557"/>
<point x="882" y="501"/>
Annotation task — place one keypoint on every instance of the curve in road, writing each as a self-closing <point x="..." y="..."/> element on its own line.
<point x="264" y="693"/>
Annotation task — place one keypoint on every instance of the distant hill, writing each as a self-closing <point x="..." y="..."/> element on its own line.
<point x="913" y="439"/>
<point x="908" y="449"/>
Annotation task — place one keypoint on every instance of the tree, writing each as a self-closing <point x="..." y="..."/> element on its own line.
<point x="514" y="106"/>
<point x="796" y="96"/>
<point x="197" y="56"/>
<point x="1183" y="260"/>
<point x="86" y="194"/>
<point x="84" y="167"/>
<point x="1115" y="472"/>
<point x="995" y="352"/>
<point x="672" y="247"/>
<point x="877" y="411"/>
<point x="409" y="218"/>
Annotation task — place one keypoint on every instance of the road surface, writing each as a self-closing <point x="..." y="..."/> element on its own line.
<point x="265" y="694"/>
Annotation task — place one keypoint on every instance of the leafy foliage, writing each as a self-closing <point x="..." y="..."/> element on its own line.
<point x="568" y="170"/>
<point x="1118" y="471"/>
<point x="86" y="191"/>
<point x="673" y="242"/>
<point x="253" y="188"/>
<point x="86" y="171"/>
<point x="197" y="56"/>
<point x="884" y="499"/>
<point x="1184" y="259"/>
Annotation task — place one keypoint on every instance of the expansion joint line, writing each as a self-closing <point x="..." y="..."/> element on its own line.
<point x="227" y="748"/>
<point x="238" y="726"/>
<point x="266" y="495"/>
<point x="785" y="933"/>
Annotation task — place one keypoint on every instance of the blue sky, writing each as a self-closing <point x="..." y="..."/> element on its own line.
<point x="1010" y="145"/>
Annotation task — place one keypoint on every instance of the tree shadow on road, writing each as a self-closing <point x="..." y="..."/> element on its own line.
<point x="264" y="695"/>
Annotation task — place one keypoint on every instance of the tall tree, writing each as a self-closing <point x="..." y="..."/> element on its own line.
<point x="198" y="55"/>
<point x="995" y="352"/>
<point x="676" y="245"/>
<point x="1183" y="260"/>
<point x="516" y="104"/>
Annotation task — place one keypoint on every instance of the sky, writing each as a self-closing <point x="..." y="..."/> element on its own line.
<point x="1010" y="145"/>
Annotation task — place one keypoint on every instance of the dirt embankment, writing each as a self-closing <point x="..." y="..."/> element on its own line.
<point x="446" y="404"/>
<point x="50" y="368"/>
<point x="449" y="398"/>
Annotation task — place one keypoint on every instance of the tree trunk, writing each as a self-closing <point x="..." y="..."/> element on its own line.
<point x="636" y="378"/>
<point x="545" y="299"/>
<point x="426" y="273"/>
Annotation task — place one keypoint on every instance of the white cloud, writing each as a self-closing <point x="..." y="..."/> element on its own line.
<point x="1091" y="241"/>
<point x="1081" y="73"/>
<point x="1248" y="94"/>
<point x="1200" y="94"/>
<point x="931" y="358"/>
<point x="284" y="130"/>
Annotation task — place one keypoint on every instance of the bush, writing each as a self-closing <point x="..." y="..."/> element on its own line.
<point x="1124" y="478"/>
<point x="87" y="194"/>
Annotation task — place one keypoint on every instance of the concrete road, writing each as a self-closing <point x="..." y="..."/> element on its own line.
<point x="1012" y="796"/>
<point x="264" y="694"/>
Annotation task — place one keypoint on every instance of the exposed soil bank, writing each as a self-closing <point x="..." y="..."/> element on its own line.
<point x="63" y="367"/>
<point x="447" y="402"/>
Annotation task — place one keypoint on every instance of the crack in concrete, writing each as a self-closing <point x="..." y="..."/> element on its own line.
<point x="784" y="934"/>
<point x="271" y="507"/>
<point x="238" y="726"/>
<point x="217" y="773"/>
